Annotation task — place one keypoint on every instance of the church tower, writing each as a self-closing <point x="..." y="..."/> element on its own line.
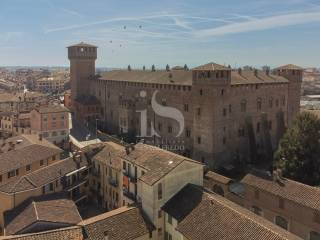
<point x="82" y="58"/>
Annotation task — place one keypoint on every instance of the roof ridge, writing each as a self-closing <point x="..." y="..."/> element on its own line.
<point x="35" y="209"/>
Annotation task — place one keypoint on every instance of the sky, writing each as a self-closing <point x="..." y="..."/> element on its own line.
<point x="174" y="32"/>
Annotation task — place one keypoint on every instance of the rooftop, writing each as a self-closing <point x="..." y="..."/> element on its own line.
<point x="184" y="77"/>
<point x="124" y="223"/>
<point x="71" y="233"/>
<point x="53" y="208"/>
<point x="211" y="67"/>
<point x="299" y="193"/>
<point x="52" y="109"/>
<point x="110" y="154"/>
<point x="41" y="177"/>
<point x="22" y="150"/>
<point x="156" y="161"/>
<point x="217" y="177"/>
<point x="290" y="66"/>
<point x="215" y="217"/>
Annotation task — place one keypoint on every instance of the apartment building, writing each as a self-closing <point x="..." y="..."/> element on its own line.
<point x="24" y="154"/>
<point x="51" y="122"/>
<point x="225" y="115"/>
<point x="15" y="123"/>
<point x="151" y="176"/>
<point x="291" y="205"/>
<point x="69" y="175"/>
<point x="106" y="176"/>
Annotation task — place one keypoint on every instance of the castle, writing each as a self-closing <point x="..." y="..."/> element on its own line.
<point x="211" y="113"/>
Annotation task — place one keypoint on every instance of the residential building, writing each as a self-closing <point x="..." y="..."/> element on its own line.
<point x="194" y="214"/>
<point x="24" y="154"/>
<point x="51" y="122"/>
<point x="291" y="205"/>
<point x="228" y="115"/>
<point x="106" y="176"/>
<point x="50" y="84"/>
<point x="69" y="175"/>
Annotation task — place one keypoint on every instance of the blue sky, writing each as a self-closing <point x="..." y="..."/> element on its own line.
<point x="146" y="32"/>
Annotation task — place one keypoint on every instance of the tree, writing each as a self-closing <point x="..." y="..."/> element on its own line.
<point x="167" y="68"/>
<point x="298" y="155"/>
<point x="129" y="68"/>
<point x="185" y="67"/>
<point x="153" y="68"/>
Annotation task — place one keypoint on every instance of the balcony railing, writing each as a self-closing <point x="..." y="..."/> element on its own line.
<point x="129" y="195"/>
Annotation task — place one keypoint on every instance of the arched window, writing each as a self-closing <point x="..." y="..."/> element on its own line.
<point x="259" y="104"/>
<point x="218" y="189"/>
<point x="281" y="222"/>
<point x="256" y="210"/>
<point x="243" y="105"/>
<point x="314" y="235"/>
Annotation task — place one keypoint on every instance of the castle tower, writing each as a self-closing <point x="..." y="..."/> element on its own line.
<point x="210" y="89"/>
<point x="82" y="58"/>
<point x="294" y="74"/>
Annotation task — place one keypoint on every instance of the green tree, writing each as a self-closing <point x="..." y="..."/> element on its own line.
<point x="298" y="155"/>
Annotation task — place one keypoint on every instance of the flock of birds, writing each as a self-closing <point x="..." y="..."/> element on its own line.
<point x="125" y="28"/>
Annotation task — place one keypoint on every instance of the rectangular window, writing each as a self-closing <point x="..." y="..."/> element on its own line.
<point x="159" y="214"/>
<point x="41" y="162"/>
<point x="124" y="166"/>
<point x="186" y="107"/>
<point x="28" y="167"/>
<point x="0" y="178"/>
<point x="199" y="140"/>
<point x="224" y="112"/>
<point x="159" y="191"/>
<point x="188" y="133"/>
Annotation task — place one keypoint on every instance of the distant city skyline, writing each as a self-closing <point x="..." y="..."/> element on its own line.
<point x="142" y="32"/>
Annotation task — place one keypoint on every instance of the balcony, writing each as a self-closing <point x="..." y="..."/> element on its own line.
<point x="131" y="178"/>
<point x="129" y="195"/>
<point x="113" y="182"/>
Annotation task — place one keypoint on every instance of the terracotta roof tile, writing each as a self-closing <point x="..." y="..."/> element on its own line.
<point x="299" y="193"/>
<point x="53" y="208"/>
<point x="125" y="223"/>
<point x="207" y="216"/>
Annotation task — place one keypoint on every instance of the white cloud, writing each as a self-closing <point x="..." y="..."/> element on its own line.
<point x="261" y="24"/>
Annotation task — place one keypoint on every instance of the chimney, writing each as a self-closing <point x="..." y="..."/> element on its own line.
<point x="40" y="137"/>
<point x="256" y="72"/>
<point x="268" y="72"/>
<point x="127" y="150"/>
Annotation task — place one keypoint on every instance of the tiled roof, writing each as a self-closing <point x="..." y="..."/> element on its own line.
<point x="53" y="208"/>
<point x="299" y="193"/>
<point x="10" y="97"/>
<point x="157" y="162"/>
<point x="25" y="150"/>
<point x="182" y="77"/>
<point x="211" y="67"/>
<point x="124" y="223"/>
<point x="71" y="233"/>
<point x="41" y="177"/>
<point x="291" y="67"/>
<point x="52" y="109"/>
<point x="173" y="77"/>
<point x="217" y="177"/>
<point x="82" y="44"/>
<point x="110" y="154"/>
<point x="207" y="216"/>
